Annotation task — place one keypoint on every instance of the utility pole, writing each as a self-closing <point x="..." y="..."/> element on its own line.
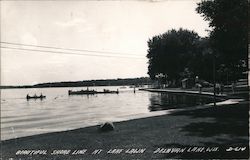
<point x="214" y="78"/>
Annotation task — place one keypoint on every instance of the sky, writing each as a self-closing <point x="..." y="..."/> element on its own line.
<point x="112" y="37"/>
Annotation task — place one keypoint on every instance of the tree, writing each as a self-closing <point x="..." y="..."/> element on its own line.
<point x="170" y="53"/>
<point x="228" y="38"/>
<point x="201" y="63"/>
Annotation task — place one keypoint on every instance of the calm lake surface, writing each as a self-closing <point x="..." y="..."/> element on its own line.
<point x="60" y="112"/>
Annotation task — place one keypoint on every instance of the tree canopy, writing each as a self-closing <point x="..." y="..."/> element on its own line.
<point x="183" y="53"/>
<point x="170" y="53"/>
<point x="228" y="38"/>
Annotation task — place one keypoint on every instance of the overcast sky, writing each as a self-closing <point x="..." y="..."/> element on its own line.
<point x="120" y="27"/>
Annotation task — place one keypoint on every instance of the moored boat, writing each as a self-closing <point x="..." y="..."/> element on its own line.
<point x="70" y="92"/>
<point x="91" y="92"/>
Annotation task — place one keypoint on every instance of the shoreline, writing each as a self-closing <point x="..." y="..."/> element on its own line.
<point x="201" y="127"/>
<point x="188" y="92"/>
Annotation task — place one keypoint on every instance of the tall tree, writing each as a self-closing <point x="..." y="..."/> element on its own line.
<point x="229" y="22"/>
<point x="170" y="53"/>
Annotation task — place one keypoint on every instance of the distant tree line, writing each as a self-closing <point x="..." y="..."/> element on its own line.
<point x="178" y="54"/>
<point x="102" y="82"/>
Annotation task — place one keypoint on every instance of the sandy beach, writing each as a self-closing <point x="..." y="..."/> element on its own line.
<point x="212" y="129"/>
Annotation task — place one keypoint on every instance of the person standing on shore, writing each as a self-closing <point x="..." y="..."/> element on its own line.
<point x="221" y="88"/>
<point x="217" y="88"/>
<point x="233" y="86"/>
<point x="200" y="88"/>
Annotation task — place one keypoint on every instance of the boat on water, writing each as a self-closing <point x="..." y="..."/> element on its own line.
<point x="91" y="92"/>
<point x="123" y="87"/>
<point x="35" y="97"/>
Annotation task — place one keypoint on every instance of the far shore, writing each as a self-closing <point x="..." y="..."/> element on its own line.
<point x="86" y="83"/>
<point x="214" y="129"/>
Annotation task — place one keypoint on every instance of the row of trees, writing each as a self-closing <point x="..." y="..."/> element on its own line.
<point x="183" y="53"/>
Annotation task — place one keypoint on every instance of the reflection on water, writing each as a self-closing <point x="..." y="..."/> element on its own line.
<point x="59" y="112"/>
<point x="165" y="101"/>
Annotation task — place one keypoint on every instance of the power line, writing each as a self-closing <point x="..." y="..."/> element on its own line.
<point x="67" y="53"/>
<point x="69" y="49"/>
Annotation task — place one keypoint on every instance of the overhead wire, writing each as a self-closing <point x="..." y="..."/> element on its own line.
<point x="67" y="49"/>
<point x="69" y="53"/>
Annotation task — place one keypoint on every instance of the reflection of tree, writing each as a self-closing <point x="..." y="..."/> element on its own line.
<point x="165" y="101"/>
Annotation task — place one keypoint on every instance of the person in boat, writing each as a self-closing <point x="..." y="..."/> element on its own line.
<point x="106" y="90"/>
<point x="27" y="96"/>
<point x="41" y="95"/>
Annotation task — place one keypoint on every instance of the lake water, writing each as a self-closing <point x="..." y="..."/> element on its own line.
<point x="60" y="112"/>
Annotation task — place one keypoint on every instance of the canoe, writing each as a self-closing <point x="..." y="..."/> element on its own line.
<point x="35" y="97"/>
